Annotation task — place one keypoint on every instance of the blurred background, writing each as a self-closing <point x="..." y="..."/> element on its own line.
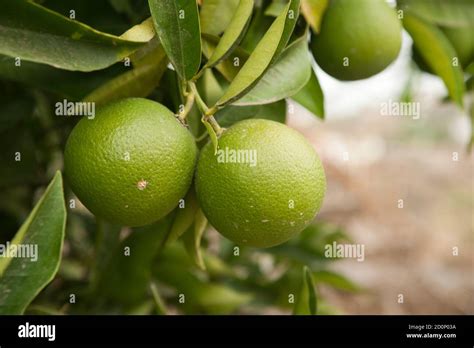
<point x="372" y="161"/>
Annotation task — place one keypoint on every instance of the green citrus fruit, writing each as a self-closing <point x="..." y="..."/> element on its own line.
<point x="132" y="163"/>
<point x="358" y="38"/>
<point x="264" y="185"/>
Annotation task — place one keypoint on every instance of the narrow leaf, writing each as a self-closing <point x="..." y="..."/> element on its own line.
<point x="470" y="68"/>
<point x="60" y="82"/>
<point x="258" y="27"/>
<point x="232" y="114"/>
<point x="452" y="13"/>
<point x="313" y="11"/>
<point x="142" y="32"/>
<point x="177" y="25"/>
<point x="34" y="33"/>
<point x="290" y="73"/>
<point x="202" y="296"/>
<point x="216" y="298"/>
<point x="216" y="15"/>
<point x="306" y="301"/>
<point x="230" y="66"/>
<point x="22" y="278"/>
<point x="234" y="32"/>
<point x="267" y="50"/>
<point x="192" y="239"/>
<point x="128" y="274"/>
<point x="184" y="217"/>
<point x="311" y="96"/>
<point x="138" y="82"/>
<point x="150" y="53"/>
<point x="209" y="87"/>
<point x="438" y="54"/>
<point x="275" y="8"/>
<point x="336" y="280"/>
<point x="160" y="306"/>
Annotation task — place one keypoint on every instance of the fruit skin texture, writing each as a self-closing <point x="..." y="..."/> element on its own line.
<point x="250" y="205"/>
<point x="367" y="32"/>
<point x="161" y="157"/>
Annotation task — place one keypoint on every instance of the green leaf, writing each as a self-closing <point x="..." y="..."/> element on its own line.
<point x="160" y="306"/>
<point x="107" y="238"/>
<point x="216" y="15"/>
<point x="267" y="50"/>
<point x="209" y="87"/>
<point x="275" y="8"/>
<point x="138" y="82"/>
<point x="290" y="73"/>
<point x="220" y="299"/>
<point x="192" y="239"/>
<point x="184" y="217"/>
<point x="452" y="13"/>
<point x="438" y="54"/>
<point x="311" y="96"/>
<point x="196" y="127"/>
<point x="142" y="32"/>
<point x="127" y="276"/>
<point x="149" y="53"/>
<point x="227" y="67"/>
<point x="49" y="38"/>
<point x="336" y="280"/>
<point x="42" y="310"/>
<point x="234" y="32"/>
<point x="177" y="25"/>
<point x="232" y="114"/>
<point x="99" y="14"/>
<point x="274" y="111"/>
<point x="257" y="28"/>
<point x="470" y="68"/>
<point x="313" y="11"/>
<point x="61" y="82"/>
<point x="172" y="93"/>
<point x="306" y="301"/>
<point x="202" y="296"/>
<point x="21" y="279"/>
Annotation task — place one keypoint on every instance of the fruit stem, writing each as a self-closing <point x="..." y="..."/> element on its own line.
<point x="187" y="107"/>
<point x="208" y="114"/>
<point x="199" y="74"/>
<point x="200" y="103"/>
<point x="213" y="122"/>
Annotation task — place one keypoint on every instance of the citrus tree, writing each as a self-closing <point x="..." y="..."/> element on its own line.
<point x="182" y="107"/>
